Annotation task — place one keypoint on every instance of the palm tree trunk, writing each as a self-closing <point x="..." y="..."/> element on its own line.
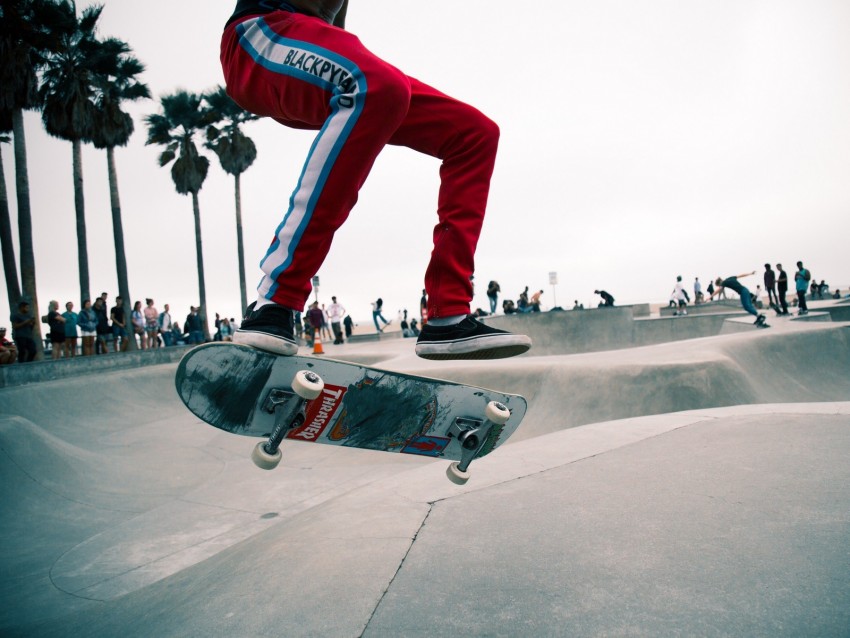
<point x="10" y="268"/>
<point x="22" y="190"/>
<point x="118" y="234"/>
<point x="202" y="288"/>
<point x="80" y="208"/>
<point x="240" y="249"/>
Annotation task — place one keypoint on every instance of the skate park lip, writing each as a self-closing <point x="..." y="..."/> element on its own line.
<point x="123" y="509"/>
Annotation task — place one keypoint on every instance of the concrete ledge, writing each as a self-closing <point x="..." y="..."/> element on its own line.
<point x="814" y="316"/>
<point x="639" y="309"/>
<point x="709" y="307"/>
<point x="37" y="371"/>
<point x="596" y="330"/>
<point x="374" y="336"/>
<point x="839" y="312"/>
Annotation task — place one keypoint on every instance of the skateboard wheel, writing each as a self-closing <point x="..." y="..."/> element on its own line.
<point x="456" y="475"/>
<point x="307" y="385"/>
<point x="263" y="459"/>
<point x="497" y="413"/>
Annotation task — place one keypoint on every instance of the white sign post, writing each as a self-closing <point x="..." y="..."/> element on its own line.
<point x="316" y="286"/>
<point x="553" y="281"/>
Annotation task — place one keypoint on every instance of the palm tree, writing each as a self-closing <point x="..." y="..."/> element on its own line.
<point x="113" y="127"/>
<point x="28" y="30"/>
<point x="69" y="112"/>
<point x="13" y="286"/>
<point x="236" y="152"/>
<point x="182" y="118"/>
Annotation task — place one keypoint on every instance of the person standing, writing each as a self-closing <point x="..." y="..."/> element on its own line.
<point x="326" y="324"/>
<point x="732" y="283"/>
<point x="770" y="287"/>
<point x="118" y="315"/>
<point x="87" y="320"/>
<point x="423" y="307"/>
<point x="164" y="323"/>
<point x="493" y="290"/>
<point x="103" y="328"/>
<point x="801" y="281"/>
<point x="782" y="290"/>
<point x="336" y="313"/>
<point x="315" y="319"/>
<point x="57" y="329"/>
<point x="294" y="62"/>
<point x="70" y="318"/>
<point x="194" y="326"/>
<point x="151" y="315"/>
<point x="137" y="320"/>
<point x="22" y="331"/>
<point x="697" y="291"/>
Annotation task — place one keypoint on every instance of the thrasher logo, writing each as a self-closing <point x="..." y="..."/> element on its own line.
<point x="319" y="414"/>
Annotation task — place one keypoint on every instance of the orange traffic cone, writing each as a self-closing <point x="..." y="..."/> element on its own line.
<point x="317" y="343"/>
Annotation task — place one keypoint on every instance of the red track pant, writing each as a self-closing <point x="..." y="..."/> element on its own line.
<point x="308" y="74"/>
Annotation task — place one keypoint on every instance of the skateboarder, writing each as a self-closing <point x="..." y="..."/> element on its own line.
<point x="607" y="299"/>
<point x="293" y="61"/>
<point x="732" y="283"/>
<point x="680" y="296"/>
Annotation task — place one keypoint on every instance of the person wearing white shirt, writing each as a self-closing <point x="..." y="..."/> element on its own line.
<point x="336" y="313"/>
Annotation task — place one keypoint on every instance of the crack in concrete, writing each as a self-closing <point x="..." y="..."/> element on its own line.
<point x="397" y="571"/>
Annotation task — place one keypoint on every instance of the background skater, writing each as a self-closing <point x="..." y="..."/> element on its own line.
<point x="732" y="283"/>
<point x="294" y="62"/>
<point x="607" y="298"/>
<point x="680" y="296"/>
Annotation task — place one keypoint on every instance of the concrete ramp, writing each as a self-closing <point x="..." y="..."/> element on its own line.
<point x="648" y="488"/>
<point x="794" y="362"/>
<point x="601" y="329"/>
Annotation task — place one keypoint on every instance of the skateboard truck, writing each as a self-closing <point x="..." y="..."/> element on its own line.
<point x="472" y="434"/>
<point x="288" y="409"/>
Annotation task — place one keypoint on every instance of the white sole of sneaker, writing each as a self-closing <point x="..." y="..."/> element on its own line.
<point x="265" y="341"/>
<point x="485" y="347"/>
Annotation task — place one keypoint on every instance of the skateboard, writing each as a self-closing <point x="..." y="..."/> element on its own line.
<point x="776" y="309"/>
<point x="246" y="391"/>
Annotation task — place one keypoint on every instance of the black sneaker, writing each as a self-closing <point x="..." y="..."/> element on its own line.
<point x="760" y="320"/>
<point x="469" y="339"/>
<point x="270" y="328"/>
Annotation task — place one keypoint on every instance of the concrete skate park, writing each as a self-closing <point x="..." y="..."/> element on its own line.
<point x="673" y="476"/>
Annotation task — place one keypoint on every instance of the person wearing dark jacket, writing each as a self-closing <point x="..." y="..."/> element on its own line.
<point x="607" y="299"/>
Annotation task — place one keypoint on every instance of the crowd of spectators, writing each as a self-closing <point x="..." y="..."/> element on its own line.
<point x="94" y="330"/>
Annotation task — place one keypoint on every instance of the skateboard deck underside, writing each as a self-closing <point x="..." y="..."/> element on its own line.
<point x="226" y="385"/>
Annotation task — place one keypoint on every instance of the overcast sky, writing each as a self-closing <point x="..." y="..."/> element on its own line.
<point x="640" y="140"/>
